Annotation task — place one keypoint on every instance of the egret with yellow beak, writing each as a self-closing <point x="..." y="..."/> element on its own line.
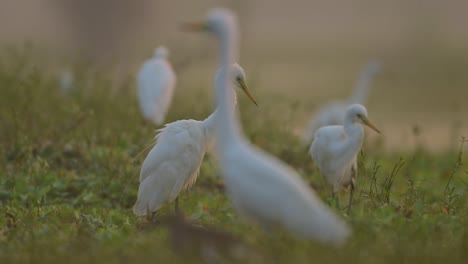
<point x="174" y="162"/>
<point x="333" y="113"/>
<point x="335" y="149"/>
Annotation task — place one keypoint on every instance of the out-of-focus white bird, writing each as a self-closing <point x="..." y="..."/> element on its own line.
<point x="260" y="186"/>
<point x="156" y="81"/>
<point x="335" y="149"/>
<point x="333" y="112"/>
<point x="174" y="162"/>
<point x="66" y="81"/>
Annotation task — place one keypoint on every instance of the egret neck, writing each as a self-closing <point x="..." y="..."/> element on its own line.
<point x="228" y="126"/>
<point x="354" y="141"/>
<point x="361" y="90"/>
<point x="210" y="122"/>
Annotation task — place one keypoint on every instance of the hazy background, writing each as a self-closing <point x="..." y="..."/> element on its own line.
<point x="297" y="54"/>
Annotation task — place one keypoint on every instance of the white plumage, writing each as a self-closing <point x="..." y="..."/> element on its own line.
<point x="174" y="162"/>
<point x="335" y="149"/>
<point x="260" y="186"/>
<point x="156" y="81"/>
<point x="333" y="112"/>
<point x="66" y="81"/>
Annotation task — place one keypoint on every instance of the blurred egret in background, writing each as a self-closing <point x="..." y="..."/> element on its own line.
<point x="156" y="82"/>
<point x="333" y="113"/>
<point x="66" y="81"/>
<point x="260" y="186"/>
<point x="335" y="149"/>
<point x="174" y="162"/>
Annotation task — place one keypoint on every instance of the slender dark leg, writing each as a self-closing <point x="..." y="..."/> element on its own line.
<point x="176" y="206"/>
<point x="149" y="215"/>
<point x="351" y="191"/>
<point x="336" y="199"/>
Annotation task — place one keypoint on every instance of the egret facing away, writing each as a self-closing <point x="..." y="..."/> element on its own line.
<point x="333" y="113"/>
<point x="174" y="162"/>
<point x="335" y="149"/>
<point x="260" y="186"/>
<point x="156" y="81"/>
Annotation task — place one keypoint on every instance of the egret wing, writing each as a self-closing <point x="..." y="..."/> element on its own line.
<point x="268" y="190"/>
<point x="171" y="165"/>
<point x="325" y="151"/>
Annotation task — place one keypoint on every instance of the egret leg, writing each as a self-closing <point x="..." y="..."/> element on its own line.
<point x="152" y="219"/>
<point x="176" y="206"/>
<point x="336" y="199"/>
<point x="351" y="191"/>
<point x="150" y="215"/>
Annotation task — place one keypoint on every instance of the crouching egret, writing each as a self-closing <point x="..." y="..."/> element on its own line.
<point x="333" y="112"/>
<point x="156" y="81"/>
<point x="335" y="149"/>
<point x="174" y="162"/>
<point x="260" y="186"/>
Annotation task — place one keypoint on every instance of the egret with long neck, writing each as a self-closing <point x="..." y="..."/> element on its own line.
<point x="174" y="162"/>
<point x="333" y="113"/>
<point x="335" y="149"/>
<point x="260" y="186"/>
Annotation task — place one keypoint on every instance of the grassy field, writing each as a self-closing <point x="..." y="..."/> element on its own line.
<point x="69" y="177"/>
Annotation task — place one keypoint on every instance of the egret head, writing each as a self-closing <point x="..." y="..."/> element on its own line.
<point x="161" y="52"/>
<point x="240" y="80"/>
<point x="358" y="114"/>
<point x="217" y="21"/>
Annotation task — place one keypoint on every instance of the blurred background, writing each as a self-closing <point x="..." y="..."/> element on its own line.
<point x="298" y="54"/>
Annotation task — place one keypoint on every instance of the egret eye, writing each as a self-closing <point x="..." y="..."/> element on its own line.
<point x="238" y="78"/>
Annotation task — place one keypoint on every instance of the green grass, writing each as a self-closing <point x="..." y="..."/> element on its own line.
<point x="69" y="170"/>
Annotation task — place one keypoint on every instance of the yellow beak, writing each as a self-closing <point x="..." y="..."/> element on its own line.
<point x="194" y="26"/>
<point x="368" y="123"/>
<point x="246" y="90"/>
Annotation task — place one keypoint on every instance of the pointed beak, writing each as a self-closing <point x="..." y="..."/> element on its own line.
<point x="368" y="123"/>
<point x="246" y="90"/>
<point x="194" y="26"/>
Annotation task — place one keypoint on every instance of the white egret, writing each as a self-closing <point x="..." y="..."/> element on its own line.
<point x="156" y="81"/>
<point x="66" y="81"/>
<point x="335" y="149"/>
<point x="333" y="112"/>
<point x="260" y="186"/>
<point x="174" y="162"/>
